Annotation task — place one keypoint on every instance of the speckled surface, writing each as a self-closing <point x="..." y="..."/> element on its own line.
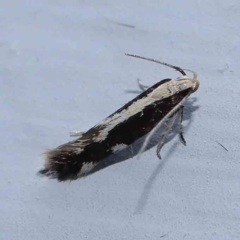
<point x="62" y="68"/>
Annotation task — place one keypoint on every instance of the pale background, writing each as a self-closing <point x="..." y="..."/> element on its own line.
<point x="63" y="68"/>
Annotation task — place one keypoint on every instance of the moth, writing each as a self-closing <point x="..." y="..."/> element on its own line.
<point x="159" y="104"/>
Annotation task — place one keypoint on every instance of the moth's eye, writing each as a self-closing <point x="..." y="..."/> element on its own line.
<point x="183" y="86"/>
<point x="196" y="85"/>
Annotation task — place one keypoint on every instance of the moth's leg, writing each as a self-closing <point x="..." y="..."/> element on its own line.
<point x="169" y="115"/>
<point x="141" y="85"/>
<point x="76" y="133"/>
<point x="165" y="132"/>
<point x="181" y="127"/>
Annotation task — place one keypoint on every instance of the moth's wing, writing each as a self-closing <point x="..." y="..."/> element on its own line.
<point x="66" y="161"/>
<point x="63" y="162"/>
<point x="141" y="95"/>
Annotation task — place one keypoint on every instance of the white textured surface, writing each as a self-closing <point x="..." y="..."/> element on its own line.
<point x="62" y="67"/>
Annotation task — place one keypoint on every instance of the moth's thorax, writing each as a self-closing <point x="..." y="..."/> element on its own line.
<point x="175" y="86"/>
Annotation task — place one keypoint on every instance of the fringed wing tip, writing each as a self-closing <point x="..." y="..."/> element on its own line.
<point x="43" y="172"/>
<point x="47" y="173"/>
<point x="47" y="170"/>
<point x="59" y="166"/>
<point x="63" y="164"/>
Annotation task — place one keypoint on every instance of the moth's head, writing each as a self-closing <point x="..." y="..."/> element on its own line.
<point x="190" y="82"/>
<point x="174" y="86"/>
<point x="195" y="84"/>
<point x="186" y="82"/>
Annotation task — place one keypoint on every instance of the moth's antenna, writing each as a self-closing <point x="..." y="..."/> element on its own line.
<point x="163" y="63"/>
<point x="194" y="74"/>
